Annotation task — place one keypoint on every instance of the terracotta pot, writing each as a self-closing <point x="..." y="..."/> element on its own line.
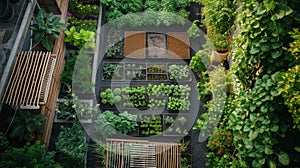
<point x="218" y="57"/>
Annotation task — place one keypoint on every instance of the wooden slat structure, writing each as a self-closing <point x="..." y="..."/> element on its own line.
<point x="49" y="103"/>
<point x="35" y="82"/>
<point x="28" y="76"/>
<point x="121" y="153"/>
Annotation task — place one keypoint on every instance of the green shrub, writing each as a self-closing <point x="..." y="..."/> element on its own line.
<point x="71" y="146"/>
<point x="28" y="156"/>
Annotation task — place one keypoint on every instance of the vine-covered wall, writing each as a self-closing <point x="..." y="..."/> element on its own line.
<point x="261" y="119"/>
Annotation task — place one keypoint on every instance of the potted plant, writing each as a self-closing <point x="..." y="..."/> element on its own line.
<point x="218" y="19"/>
<point x="46" y="29"/>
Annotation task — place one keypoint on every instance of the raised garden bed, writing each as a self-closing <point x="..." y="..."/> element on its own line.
<point x="67" y="111"/>
<point x="156" y="45"/>
<point x="178" y="45"/>
<point x="175" y="125"/>
<point x="113" y="71"/>
<point x="150" y="125"/>
<point x="179" y="73"/>
<point x="157" y="72"/>
<point x="114" y="45"/>
<point x="124" y="98"/>
<point x="135" y="45"/>
<point x="135" y="71"/>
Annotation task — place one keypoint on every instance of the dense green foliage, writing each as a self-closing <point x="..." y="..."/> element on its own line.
<point x="119" y="8"/>
<point x="108" y="123"/>
<point x="71" y="146"/>
<point x="218" y="19"/>
<point x="28" y="156"/>
<point x="264" y="100"/>
<point x="26" y="125"/>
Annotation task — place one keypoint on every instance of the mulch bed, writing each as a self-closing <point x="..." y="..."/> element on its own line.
<point x="135" y="45"/>
<point x="178" y="45"/>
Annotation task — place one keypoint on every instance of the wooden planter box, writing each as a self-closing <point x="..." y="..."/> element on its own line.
<point x="177" y="110"/>
<point x="178" y="45"/>
<point x="55" y="6"/>
<point x="134" y="108"/>
<point x="157" y="72"/>
<point x="106" y="106"/>
<point x="135" y="44"/>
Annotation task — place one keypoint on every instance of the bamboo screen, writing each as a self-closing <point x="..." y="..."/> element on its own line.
<point x="141" y="154"/>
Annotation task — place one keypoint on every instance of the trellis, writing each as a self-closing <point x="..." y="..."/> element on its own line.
<point x="141" y="154"/>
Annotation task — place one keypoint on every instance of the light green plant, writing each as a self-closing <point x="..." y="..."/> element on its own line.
<point x="111" y="96"/>
<point x="107" y="123"/>
<point x="82" y="39"/>
<point x="194" y="30"/>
